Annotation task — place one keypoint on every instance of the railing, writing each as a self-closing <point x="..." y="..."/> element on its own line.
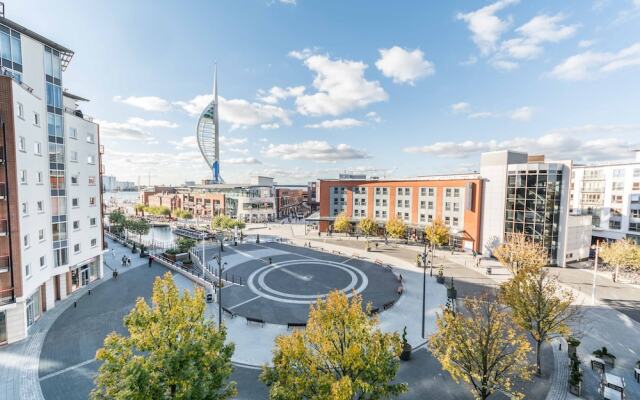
<point x="7" y="296"/>
<point x="7" y="72"/>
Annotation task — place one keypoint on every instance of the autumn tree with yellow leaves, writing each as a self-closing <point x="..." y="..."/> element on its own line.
<point x="395" y="227"/>
<point x="622" y="253"/>
<point x="170" y="352"/>
<point x="342" y="224"/>
<point x="341" y="355"/>
<point x="519" y="252"/>
<point x="483" y="348"/>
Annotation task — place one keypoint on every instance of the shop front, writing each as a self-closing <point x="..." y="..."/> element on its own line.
<point x="86" y="273"/>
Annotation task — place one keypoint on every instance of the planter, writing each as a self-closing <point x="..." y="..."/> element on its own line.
<point x="609" y="360"/>
<point x="452" y="293"/>
<point x="575" y="389"/>
<point x="171" y="257"/>
<point x="406" y="352"/>
<point x="440" y="279"/>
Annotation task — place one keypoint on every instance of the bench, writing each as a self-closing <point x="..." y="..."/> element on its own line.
<point x="296" y="325"/>
<point x="256" y="321"/>
<point x="228" y="312"/>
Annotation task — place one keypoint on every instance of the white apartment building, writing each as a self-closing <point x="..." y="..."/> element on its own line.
<point x="610" y="193"/>
<point x="50" y="183"/>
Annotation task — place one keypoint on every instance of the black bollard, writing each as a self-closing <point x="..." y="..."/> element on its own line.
<point x="89" y="293"/>
<point x="75" y="303"/>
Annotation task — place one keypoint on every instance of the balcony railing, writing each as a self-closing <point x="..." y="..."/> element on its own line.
<point x="7" y="296"/>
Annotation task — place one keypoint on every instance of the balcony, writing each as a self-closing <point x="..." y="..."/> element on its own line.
<point x="7" y="296"/>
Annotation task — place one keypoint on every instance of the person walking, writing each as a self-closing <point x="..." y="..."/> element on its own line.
<point x="150" y="261"/>
<point x="128" y="262"/>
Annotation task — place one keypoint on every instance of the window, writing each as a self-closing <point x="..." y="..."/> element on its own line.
<point x="74" y="202"/>
<point x="384" y="190"/>
<point x="356" y="212"/>
<point x="456" y="192"/>
<point x="37" y="148"/>
<point x="430" y="205"/>
<point x="363" y="202"/>
<point x="76" y="248"/>
<point x="377" y="213"/>
<point x="384" y="202"/>
<point x="377" y="202"/>
<point x="377" y="190"/>
<point x="76" y="225"/>
<point x="635" y="214"/>
<point x="406" y="204"/>
<point x="94" y="242"/>
<point x="431" y="191"/>
<point x="399" y="214"/>
<point x="40" y="206"/>
<point x="456" y="207"/>
<point x="422" y="218"/>
<point x="39" y="177"/>
<point x="90" y="138"/>
<point x="616" y="199"/>
<point x="42" y="262"/>
<point x="20" y="111"/>
<point x="36" y="119"/>
<point x="447" y="206"/>
<point x="448" y="192"/>
<point x="406" y="216"/>
<point x="407" y="191"/>
<point x="27" y="270"/>
<point x="22" y="144"/>
<point x="618" y="173"/>
<point x="634" y="226"/>
<point x="25" y="208"/>
<point x="455" y="221"/>
<point x="423" y="204"/>
<point x="363" y="213"/>
<point x="636" y="173"/>
<point x="617" y="186"/>
<point x="399" y="203"/>
<point x="429" y="218"/>
<point x="400" y="191"/>
<point x="614" y="224"/>
<point x="73" y="157"/>
<point x="91" y="160"/>
<point x="26" y="241"/>
<point x="92" y="221"/>
<point x="23" y="176"/>
<point x="423" y="191"/>
<point x="41" y="235"/>
<point x="636" y="186"/>
<point x="447" y="220"/>
<point x="384" y="214"/>
<point x="73" y="133"/>
<point x="74" y="179"/>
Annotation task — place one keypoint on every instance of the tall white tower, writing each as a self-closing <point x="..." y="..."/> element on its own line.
<point x="208" y="133"/>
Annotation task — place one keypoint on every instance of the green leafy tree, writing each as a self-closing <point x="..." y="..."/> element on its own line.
<point x="184" y="244"/>
<point x="341" y="355"/>
<point x="138" y="227"/>
<point x="437" y="234"/>
<point x="171" y="351"/>
<point x="395" y="227"/>
<point x="139" y="208"/>
<point x="226" y="223"/>
<point x="539" y="306"/>
<point x="519" y="253"/>
<point x="623" y="254"/>
<point x="483" y="348"/>
<point x="341" y="224"/>
<point x="184" y="214"/>
<point x="117" y="217"/>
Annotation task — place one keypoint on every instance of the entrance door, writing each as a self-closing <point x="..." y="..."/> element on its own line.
<point x="3" y="327"/>
<point x="75" y="279"/>
<point x="84" y="275"/>
<point x="30" y="312"/>
<point x="56" y="285"/>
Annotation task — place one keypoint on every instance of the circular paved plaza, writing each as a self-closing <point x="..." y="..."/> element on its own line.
<point x="279" y="285"/>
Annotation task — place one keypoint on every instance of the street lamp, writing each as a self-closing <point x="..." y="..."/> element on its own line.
<point x="221" y="265"/>
<point x="596" y="247"/>
<point x="424" y="287"/>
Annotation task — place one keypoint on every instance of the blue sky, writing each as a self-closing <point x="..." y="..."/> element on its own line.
<point x="311" y="88"/>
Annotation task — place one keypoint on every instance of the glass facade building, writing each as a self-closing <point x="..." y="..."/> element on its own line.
<point x="533" y="204"/>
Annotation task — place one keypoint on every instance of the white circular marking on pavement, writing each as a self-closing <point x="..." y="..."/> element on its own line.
<point x="262" y="289"/>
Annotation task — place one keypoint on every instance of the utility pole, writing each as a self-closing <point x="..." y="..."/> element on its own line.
<point x="595" y="273"/>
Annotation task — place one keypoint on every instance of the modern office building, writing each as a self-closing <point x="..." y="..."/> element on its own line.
<point x="525" y="194"/>
<point x="610" y="194"/>
<point x="454" y="199"/>
<point x="50" y="182"/>
<point x="108" y="183"/>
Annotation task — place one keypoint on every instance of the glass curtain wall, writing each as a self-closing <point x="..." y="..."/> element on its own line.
<point x="533" y="205"/>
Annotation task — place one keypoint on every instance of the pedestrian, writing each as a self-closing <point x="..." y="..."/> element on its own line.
<point x="376" y="245"/>
<point x="150" y="261"/>
<point x="318" y="232"/>
<point x="113" y="253"/>
<point x="115" y="274"/>
<point x="269" y="260"/>
<point x="128" y="261"/>
<point x="123" y="260"/>
<point x="475" y="254"/>
<point x="478" y="262"/>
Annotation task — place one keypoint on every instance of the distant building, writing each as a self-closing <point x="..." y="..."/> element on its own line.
<point x="108" y="183"/>
<point x="610" y="194"/>
<point x="357" y="177"/>
<point x="292" y="201"/>
<point x="125" y="186"/>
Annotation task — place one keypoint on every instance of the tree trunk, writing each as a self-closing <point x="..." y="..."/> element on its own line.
<point x="538" y="362"/>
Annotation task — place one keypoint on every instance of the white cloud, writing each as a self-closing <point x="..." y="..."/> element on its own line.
<point x="485" y="26"/>
<point x="582" y="143"/>
<point x="504" y="65"/>
<point x="586" y="43"/>
<point x="539" y="30"/>
<point x="289" y="2"/>
<point x="244" y="160"/>
<point x="229" y="141"/>
<point x="522" y="114"/>
<point x="147" y="103"/>
<point x="314" y="150"/>
<point x="373" y="116"/>
<point x="152" y="123"/>
<point x="238" y="112"/>
<point x="302" y="54"/>
<point x="404" y="66"/>
<point x="481" y="114"/>
<point x="277" y="93"/>
<point x="341" y="87"/>
<point x="269" y="126"/>
<point x="460" y="107"/>
<point x="185" y="143"/>
<point x="337" y="123"/>
<point x="238" y="150"/>
<point x="589" y="64"/>
<point x="123" y="131"/>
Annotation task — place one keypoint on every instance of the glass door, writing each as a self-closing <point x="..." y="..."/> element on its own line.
<point x="84" y="275"/>
<point x="3" y="327"/>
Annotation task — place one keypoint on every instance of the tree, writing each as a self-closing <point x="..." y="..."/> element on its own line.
<point x="341" y="355"/>
<point x="539" y="306"/>
<point x="519" y="253"/>
<point x="117" y="217"/>
<point x="484" y="348"/>
<point x="395" y="228"/>
<point x="437" y="233"/>
<point x="223" y="222"/>
<point x="184" y="214"/>
<point x="342" y="224"/>
<point x="183" y="245"/>
<point x="139" y="208"/>
<point x="171" y="351"/>
<point x="139" y="227"/>
<point x="621" y="253"/>
<point x="368" y="226"/>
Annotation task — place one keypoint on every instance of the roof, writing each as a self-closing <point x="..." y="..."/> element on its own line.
<point x="73" y="96"/>
<point x="66" y="53"/>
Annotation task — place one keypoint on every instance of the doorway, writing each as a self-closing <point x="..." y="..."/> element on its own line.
<point x="84" y="275"/>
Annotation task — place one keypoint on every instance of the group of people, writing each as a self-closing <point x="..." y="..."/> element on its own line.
<point x="126" y="261"/>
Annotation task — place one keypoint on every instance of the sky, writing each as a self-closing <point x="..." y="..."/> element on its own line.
<point x="309" y="89"/>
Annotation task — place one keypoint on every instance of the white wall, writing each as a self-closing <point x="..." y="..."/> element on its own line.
<point x="578" y="239"/>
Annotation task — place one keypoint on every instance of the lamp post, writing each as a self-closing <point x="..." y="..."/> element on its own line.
<point x="218" y="258"/>
<point x="596" y="247"/>
<point x="424" y="287"/>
